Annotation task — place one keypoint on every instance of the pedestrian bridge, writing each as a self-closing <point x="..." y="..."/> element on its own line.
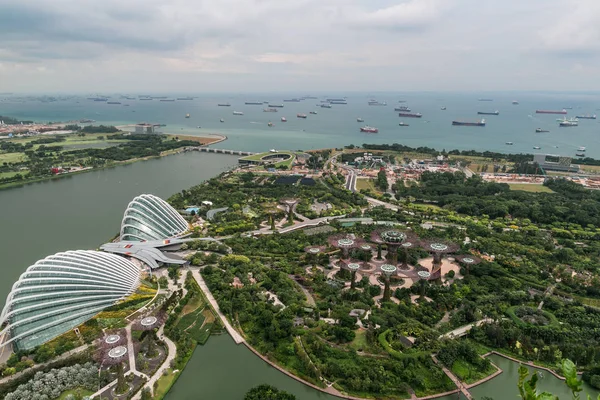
<point x="221" y="151"/>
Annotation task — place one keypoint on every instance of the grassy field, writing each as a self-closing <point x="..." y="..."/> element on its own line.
<point x="11" y="174"/>
<point x="360" y="341"/>
<point x="529" y="187"/>
<point x="81" y="391"/>
<point x="468" y="374"/>
<point x="366" y="184"/>
<point x="12" y="157"/>
<point x="164" y="383"/>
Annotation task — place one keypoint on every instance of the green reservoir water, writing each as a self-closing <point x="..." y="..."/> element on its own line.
<point x="83" y="211"/>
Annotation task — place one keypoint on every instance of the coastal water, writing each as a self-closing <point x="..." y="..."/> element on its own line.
<point x="338" y="126"/>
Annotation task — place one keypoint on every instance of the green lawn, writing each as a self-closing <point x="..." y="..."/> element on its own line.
<point x="468" y="374"/>
<point x="360" y="341"/>
<point x="12" y="157"/>
<point x="366" y="184"/>
<point x="82" y="391"/>
<point x="164" y="383"/>
<point x="530" y="187"/>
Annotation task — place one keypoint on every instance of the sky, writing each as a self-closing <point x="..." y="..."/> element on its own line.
<point x="291" y="45"/>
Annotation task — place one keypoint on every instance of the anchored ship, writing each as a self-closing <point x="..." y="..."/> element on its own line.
<point x="563" y="111"/>
<point x="402" y="108"/>
<point x="467" y="123"/>
<point x="488" y="113"/>
<point x="269" y="110"/>
<point x="326" y="105"/>
<point x="377" y="103"/>
<point x="301" y="115"/>
<point x="275" y="105"/>
<point x="238" y="113"/>
<point x="224" y="105"/>
<point x="587" y="116"/>
<point x="410" y="115"/>
<point x="254" y="103"/>
<point x="369" y="129"/>
<point x="338" y="102"/>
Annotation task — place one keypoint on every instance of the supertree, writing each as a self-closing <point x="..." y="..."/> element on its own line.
<point x="437" y="248"/>
<point x="409" y="243"/>
<point x="313" y="252"/>
<point x="290" y="206"/>
<point x="467" y="260"/>
<point x="387" y="270"/>
<point x="150" y="322"/>
<point x="352" y="266"/>
<point x="345" y="243"/>
<point x="393" y="239"/>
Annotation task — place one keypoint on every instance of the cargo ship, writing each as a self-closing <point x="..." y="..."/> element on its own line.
<point x="563" y="111"/>
<point x="514" y="102"/>
<point x="301" y="115"/>
<point x="185" y="98"/>
<point x="238" y="113"/>
<point x="254" y="103"/>
<point x="466" y="123"/>
<point x="402" y="108"/>
<point x="309" y="97"/>
<point x="98" y="98"/>
<point x="568" y="123"/>
<point x="167" y="100"/>
<point x="276" y="105"/>
<point x="313" y="112"/>
<point x="580" y="154"/>
<point x="377" y="103"/>
<point x="145" y="98"/>
<point x="335" y="99"/>
<point x="587" y="116"/>
<point x="410" y="115"/>
<point x="291" y="100"/>
<point x="113" y="102"/>
<point x="269" y="110"/>
<point x="338" y="102"/>
<point x="403" y="124"/>
<point x="539" y="130"/>
<point x="360" y="119"/>
<point x="326" y="105"/>
<point x="224" y="105"/>
<point x="581" y="148"/>
<point x="369" y="129"/>
<point x="488" y="113"/>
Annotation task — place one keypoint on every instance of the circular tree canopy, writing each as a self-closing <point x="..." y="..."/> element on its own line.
<point x="112" y="339"/>
<point x="117" y="352"/>
<point x="424" y="274"/>
<point x="468" y="259"/>
<point x="439" y="246"/>
<point x="353" y="266"/>
<point x="388" y="269"/>
<point x="149" y="321"/>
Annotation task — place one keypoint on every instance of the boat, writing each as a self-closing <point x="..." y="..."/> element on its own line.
<point x="403" y="124"/>
<point x="587" y="116"/>
<point x="145" y="98"/>
<point x="222" y="120"/>
<point x="563" y="111"/>
<point x="238" y="113"/>
<point x="538" y="130"/>
<point x="488" y="113"/>
<point x="187" y="115"/>
<point x="567" y="123"/>
<point x="369" y="129"/>
<point x="467" y="123"/>
<point x="270" y="110"/>
<point x="326" y="105"/>
<point x="377" y="103"/>
<point x="167" y="100"/>
<point x="313" y="112"/>
<point x="536" y="147"/>
<point x="292" y="100"/>
<point x="301" y="115"/>
<point x="224" y="105"/>
<point x="254" y="103"/>
<point x="515" y="102"/>
<point x="283" y="119"/>
<point x="401" y="101"/>
<point x="185" y="98"/>
<point x="310" y="97"/>
<point x="113" y="102"/>
<point x="360" y="120"/>
<point x="335" y="99"/>
<point x="198" y="127"/>
<point x="443" y="108"/>
<point x="580" y="154"/>
<point x="485" y="99"/>
<point x="275" y="105"/>
<point x="410" y="115"/>
<point x="581" y="148"/>
<point x="338" y="102"/>
<point x="509" y="143"/>
<point x="568" y="108"/>
<point x="270" y="123"/>
<point x="402" y="108"/>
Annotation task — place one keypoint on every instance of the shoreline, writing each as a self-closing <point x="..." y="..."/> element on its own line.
<point x="218" y="138"/>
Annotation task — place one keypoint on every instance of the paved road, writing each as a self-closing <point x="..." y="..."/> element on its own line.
<point x="376" y="202"/>
<point x="234" y="334"/>
<point x="131" y="353"/>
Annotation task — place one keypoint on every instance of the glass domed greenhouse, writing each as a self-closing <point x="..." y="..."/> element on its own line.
<point x="61" y="292"/>
<point x="151" y="218"/>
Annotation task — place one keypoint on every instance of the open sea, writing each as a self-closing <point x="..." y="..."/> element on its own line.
<point x="338" y="126"/>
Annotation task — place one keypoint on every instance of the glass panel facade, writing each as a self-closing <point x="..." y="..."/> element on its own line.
<point x="151" y="218"/>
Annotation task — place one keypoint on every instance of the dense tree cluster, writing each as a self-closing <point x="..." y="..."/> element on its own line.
<point x="49" y="385"/>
